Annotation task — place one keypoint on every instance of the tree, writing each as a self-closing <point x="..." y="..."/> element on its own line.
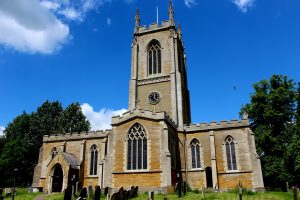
<point x="24" y="136"/>
<point x="272" y="113"/>
<point x="73" y="120"/>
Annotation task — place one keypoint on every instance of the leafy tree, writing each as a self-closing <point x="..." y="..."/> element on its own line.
<point x="73" y="120"/>
<point x="24" y="135"/>
<point x="273" y="113"/>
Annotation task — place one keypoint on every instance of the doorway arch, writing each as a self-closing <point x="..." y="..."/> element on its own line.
<point x="57" y="179"/>
<point x="209" y="181"/>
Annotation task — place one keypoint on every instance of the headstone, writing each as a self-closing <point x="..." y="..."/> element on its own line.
<point x="78" y="187"/>
<point x="240" y="191"/>
<point x="132" y="192"/>
<point x="90" y="192"/>
<point x="7" y="191"/>
<point x="121" y="193"/>
<point x="114" y="196"/>
<point x="135" y="191"/>
<point x="83" y="193"/>
<point x="106" y="191"/>
<point x="97" y="193"/>
<point x="151" y="195"/>
<point x="68" y="193"/>
<point x="128" y="194"/>
<point x="184" y="187"/>
<point x="179" y="189"/>
<point x="295" y="191"/>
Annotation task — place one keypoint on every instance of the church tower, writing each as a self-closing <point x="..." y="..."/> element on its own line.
<point x="158" y="70"/>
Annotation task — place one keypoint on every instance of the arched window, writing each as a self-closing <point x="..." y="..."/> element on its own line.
<point x="154" y="58"/>
<point x="230" y="153"/>
<point x="53" y="152"/>
<point x="93" y="160"/>
<point x="195" y="149"/>
<point x="137" y="148"/>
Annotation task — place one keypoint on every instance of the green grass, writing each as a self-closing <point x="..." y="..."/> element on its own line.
<point x="23" y="195"/>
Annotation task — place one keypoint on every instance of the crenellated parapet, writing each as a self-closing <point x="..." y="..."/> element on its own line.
<point x="153" y="27"/>
<point x="76" y="136"/>
<point x="143" y="114"/>
<point x="217" y="125"/>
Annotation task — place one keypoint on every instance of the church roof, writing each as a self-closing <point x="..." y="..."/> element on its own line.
<point x="71" y="160"/>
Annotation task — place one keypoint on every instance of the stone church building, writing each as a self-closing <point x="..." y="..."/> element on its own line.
<point x="154" y="144"/>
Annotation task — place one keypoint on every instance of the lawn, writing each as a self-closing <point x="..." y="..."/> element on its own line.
<point x="23" y="195"/>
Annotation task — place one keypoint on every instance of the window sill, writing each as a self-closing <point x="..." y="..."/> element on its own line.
<point x="196" y="169"/>
<point x="92" y="176"/>
<point x="137" y="172"/>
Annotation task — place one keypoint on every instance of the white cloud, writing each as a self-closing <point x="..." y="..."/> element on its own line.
<point x="190" y="3"/>
<point x="102" y="119"/>
<point x="1" y="131"/>
<point x="108" y="21"/>
<point x="50" y="5"/>
<point x="71" y="14"/>
<point x="244" y="5"/>
<point x="41" y="26"/>
<point x="27" y="26"/>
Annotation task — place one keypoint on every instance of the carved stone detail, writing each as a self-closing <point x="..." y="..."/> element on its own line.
<point x="154" y="80"/>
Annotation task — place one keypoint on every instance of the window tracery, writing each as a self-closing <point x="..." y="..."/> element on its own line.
<point x="154" y="58"/>
<point x="195" y="150"/>
<point x="230" y="153"/>
<point x="93" y="159"/>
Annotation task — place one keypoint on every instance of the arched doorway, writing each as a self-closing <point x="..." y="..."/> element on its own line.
<point x="57" y="179"/>
<point x="209" y="181"/>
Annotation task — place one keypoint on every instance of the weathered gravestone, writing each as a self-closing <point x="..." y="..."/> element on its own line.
<point x="295" y="191"/>
<point x="97" y="193"/>
<point x="90" y="192"/>
<point x="106" y="191"/>
<point x="127" y="194"/>
<point x="115" y="196"/>
<point x="83" y="194"/>
<point x="121" y="193"/>
<point x="151" y="195"/>
<point x="68" y="193"/>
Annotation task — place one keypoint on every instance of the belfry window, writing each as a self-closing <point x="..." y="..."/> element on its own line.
<point x="137" y="148"/>
<point x="93" y="160"/>
<point x="53" y="152"/>
<point x="195" y="150"/>
<point x="230" y="153"/>
<point x="154" y="58"/>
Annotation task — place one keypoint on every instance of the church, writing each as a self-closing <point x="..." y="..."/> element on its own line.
<point x="154" y="145"/>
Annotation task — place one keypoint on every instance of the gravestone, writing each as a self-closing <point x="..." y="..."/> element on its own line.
<point x="97" y="193"/>
<point x="106" y="191"/>
<point x="151" y="195"/>
<point x="115" y="196"/>
<point x="90" y="192"/>
<point x="78" y="187"/>
<point x="68" y="193"/>
<point x="179" y="189"/>
<point x="128" y="194"/>
<point x="121" y="193"/>
<point x="295" y="191"/>
<point x="184" y="187"/>
<point x="135" y="191"/>
<point x="83" y="193"/>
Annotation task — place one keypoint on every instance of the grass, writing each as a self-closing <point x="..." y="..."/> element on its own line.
<point x="23" y="195"/>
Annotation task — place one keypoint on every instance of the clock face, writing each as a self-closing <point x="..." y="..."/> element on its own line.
<point x="154" y="98"/>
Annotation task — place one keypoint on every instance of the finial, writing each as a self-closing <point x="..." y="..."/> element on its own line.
<point x="179" y="31"/>
<point x="171" y="13"/>
<point x="137" y="17"/>
<point x="137" y="21"/>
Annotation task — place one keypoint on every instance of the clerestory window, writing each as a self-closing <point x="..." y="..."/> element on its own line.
<point x="154" y="58"/>
<point x="137" y="148"/>
<point x="93" y="160"/>
<point x="230" y="153"/>
<point x="195" y="150"/>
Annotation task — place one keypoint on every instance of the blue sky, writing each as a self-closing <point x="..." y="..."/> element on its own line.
<point x="79" y="51"/>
